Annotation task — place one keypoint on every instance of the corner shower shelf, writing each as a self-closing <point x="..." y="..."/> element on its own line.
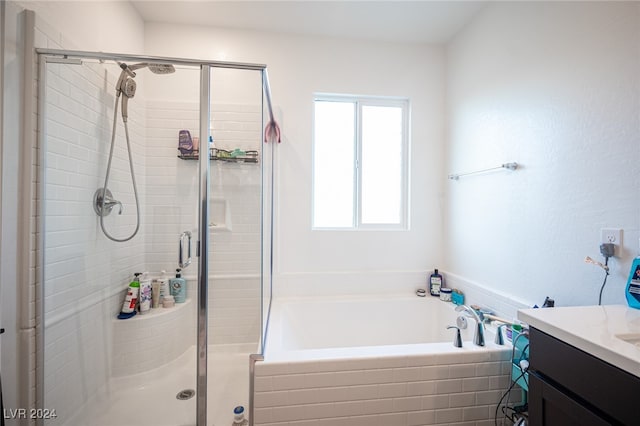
<point x="156" y="312"/>
<point x="224" y="155"/>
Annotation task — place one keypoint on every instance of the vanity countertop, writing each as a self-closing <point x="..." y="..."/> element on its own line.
<point x="593" y="329"/>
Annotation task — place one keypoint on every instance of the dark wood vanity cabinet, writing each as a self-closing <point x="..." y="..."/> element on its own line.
<point x="568" y="386"/>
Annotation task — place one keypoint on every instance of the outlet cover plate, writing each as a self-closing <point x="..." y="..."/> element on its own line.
<point x="611" y="235"/>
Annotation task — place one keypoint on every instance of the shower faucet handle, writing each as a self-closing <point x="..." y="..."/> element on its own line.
<point x="457" y="340"/>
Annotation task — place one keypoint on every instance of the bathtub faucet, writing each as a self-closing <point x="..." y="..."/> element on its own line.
<point x="478" y="337"/>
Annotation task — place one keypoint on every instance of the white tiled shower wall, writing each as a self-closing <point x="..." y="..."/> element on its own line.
<point x="86" y="274"/>
<point x="172" y="200"/>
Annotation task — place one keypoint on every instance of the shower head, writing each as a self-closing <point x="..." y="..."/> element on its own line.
<point x="154" y="68"/>
<point x="126" y="84"/>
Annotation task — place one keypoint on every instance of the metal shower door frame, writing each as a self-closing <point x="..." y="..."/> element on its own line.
<point x="74" y="57"/>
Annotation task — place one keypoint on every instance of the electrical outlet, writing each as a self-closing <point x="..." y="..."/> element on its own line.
<point x="611" y="235"/>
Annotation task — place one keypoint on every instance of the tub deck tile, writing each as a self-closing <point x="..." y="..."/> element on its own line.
<point x="419" y="418"/>
<point x="449" y="415"/>
<point x="409" y="374"/>
<point x="462" y="370"/>
<point x="435" y="372"/>
<point x="448" y="386"/>
<point x="476" y="384"/>
<point x="349" y="408"/>
<point x="462" y="399"/>
<point x="421" y="388"/>
<point x="407" y="404"/>
<point x="361" y="392"/>
<point x="317" y="395"/>
<point x="392" y="390"/>
<point x="391" y="419"/>
<point x="476" y="413"/>
<point x="271" y="399"/>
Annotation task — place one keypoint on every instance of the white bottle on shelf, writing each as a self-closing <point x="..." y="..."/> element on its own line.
<point x="164" y="286"/>
<point x="238" y="417"/>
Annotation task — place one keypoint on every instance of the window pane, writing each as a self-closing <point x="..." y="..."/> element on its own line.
<point x="333" y="164"/>
<point x="381" y="164"/>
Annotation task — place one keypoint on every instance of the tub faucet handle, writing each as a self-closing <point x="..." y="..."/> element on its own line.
<point x="478" y="337"/>
<point x="499" y="339"/>
<point x="457" y="340"/>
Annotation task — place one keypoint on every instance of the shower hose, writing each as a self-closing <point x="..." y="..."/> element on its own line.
<point x="133" y="176"/>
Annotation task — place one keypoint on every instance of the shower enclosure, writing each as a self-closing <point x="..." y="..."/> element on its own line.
<point x="183" y="365"/>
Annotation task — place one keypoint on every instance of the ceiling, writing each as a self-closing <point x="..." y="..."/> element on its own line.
<point x="394" y="21"/>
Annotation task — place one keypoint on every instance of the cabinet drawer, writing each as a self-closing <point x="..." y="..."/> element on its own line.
<point x="548" y="406"/>
<point x="608" y="389"/>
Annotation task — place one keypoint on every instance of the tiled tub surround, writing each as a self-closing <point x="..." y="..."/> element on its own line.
<point x="395" y="374"/>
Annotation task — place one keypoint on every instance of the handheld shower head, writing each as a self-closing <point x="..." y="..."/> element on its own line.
<point x="127" y="85"/>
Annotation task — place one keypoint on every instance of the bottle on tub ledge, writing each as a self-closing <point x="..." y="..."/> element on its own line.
<point x="131" y="299"/>
<point x="178" y="287"/>
<point x="435" y="283"/>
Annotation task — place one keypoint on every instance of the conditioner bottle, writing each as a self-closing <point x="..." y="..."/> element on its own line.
<point x="178" y="287"/>
<point x="435" y="283"/>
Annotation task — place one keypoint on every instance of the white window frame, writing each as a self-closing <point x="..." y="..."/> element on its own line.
<point x="361" y="101"/>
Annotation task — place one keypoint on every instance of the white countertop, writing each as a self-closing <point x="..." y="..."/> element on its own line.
<point x="593" y="329"/>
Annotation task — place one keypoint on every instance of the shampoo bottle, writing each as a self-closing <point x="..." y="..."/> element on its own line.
<point x="145" y="293"/>
<point x="178" y="287"/>
<point x="155" y="294"/>
<point x="131" y="299"/>
<point x="435" y="283"/>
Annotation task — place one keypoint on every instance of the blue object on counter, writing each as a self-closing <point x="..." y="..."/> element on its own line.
<point x="633" y="285"/>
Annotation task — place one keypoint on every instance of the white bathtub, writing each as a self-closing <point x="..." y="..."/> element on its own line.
<point x="304" y="328"/>
<point x="384" y="361"/>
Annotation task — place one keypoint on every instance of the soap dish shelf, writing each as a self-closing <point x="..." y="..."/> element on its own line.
<point x="224" y="155"/>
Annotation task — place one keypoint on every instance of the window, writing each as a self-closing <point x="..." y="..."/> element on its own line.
<point x="360" y="162"/>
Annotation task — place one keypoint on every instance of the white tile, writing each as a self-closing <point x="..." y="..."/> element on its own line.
<point x="271" y="399"/>
<point x="448" y="415"/>
<point x="409" y="374"/>
<point x="475" y="413"/>
<point x="407" y="404"/>
<point x="430" y="402"/>
<point x="462" y="370"/>
<point x="391" y="390"/>
<point x="419" y="418"/>
<point x="449" y="386"/>
<point x="462" y="399"/>
<point x="421" y="388"/>
<point x="476" y="384"/>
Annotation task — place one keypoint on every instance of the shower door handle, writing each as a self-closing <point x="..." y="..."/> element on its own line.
<point x="181" y="262"/>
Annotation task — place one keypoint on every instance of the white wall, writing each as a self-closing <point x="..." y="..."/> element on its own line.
<point x="101" y="26"/>
<point x="11" y="28"/>
<point x="18" y="275"/>
<point x="298" y="67"/>
<point x="555" y="87"/>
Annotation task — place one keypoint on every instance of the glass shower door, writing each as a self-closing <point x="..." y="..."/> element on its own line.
<point x="235" y="231"/>
<point x="98" y="369"/>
